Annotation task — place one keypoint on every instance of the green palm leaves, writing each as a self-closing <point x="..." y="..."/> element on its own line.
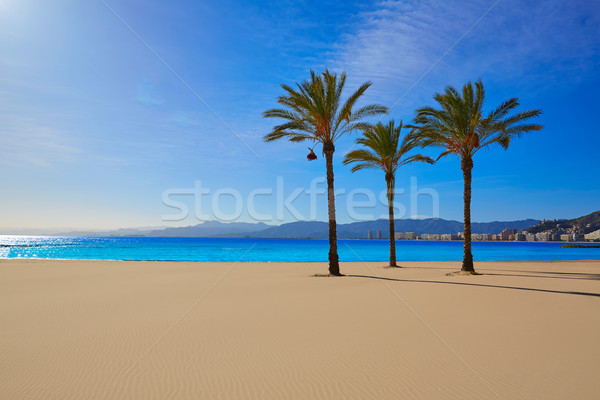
<point x="384" y="148"/>
<point x="460" y="127"/>
<point x="314" y="110"/>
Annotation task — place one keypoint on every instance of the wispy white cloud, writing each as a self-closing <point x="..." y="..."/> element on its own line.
<point x="147" y="94"/>
<point x="397" y="42"/>
<point x="30" y="144"/>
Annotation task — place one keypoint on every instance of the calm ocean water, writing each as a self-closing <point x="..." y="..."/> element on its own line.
<point x="304" y="250"/>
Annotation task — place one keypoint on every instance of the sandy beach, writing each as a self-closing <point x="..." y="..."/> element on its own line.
<point x="159" y="330"/>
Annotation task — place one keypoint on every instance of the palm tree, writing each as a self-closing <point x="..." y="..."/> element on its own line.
<point x="384" y="150"/>
<point x="314" y="111"/>
<point x="460" y="128"/>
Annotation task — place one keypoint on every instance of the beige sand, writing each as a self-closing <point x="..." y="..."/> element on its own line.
<point x="157" y="330"/>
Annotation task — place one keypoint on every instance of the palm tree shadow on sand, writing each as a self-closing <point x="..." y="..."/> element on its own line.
<point x="477" y="285"/>
<point x="548" y="275"/>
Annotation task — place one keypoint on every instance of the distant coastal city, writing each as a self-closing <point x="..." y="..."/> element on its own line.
<point x="505" y="235"/>
<point x="574" y="234"/>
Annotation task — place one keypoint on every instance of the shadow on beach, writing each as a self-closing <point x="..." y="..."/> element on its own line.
<point x="593" y="277"/>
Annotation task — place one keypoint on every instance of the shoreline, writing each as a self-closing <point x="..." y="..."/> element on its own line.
<point x="286" y="262"/>
<point x="2" y="260"/>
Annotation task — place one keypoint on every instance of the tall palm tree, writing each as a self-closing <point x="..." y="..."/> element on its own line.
<point x="460" y="128"/>
<point x="384" y="150"/>
<point x="314" y="111"/>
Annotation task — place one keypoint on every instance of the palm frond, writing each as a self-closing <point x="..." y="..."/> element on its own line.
<point x="418" y="158"/>
<point x="458" y="125"/>
<point x="313" y="109"/>
<point x="384" y="148"/>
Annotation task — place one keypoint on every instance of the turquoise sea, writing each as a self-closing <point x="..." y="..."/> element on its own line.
<point x="303" y="250"/>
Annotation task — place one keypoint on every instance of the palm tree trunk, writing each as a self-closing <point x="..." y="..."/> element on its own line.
<point x="334" y="265"/>
<point x="467" y="166"/>
<point x="389" y="179"/>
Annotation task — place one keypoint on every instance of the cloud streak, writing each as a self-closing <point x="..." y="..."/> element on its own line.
<point x="394" y="44"/>
<point x="36" y="145"/>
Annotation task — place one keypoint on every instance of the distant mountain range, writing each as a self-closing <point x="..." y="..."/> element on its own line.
<point x="310" y="229"/>
<point x="358" y="230"/>
<point x="319" y="229"/>
<point x="211" y="229"/>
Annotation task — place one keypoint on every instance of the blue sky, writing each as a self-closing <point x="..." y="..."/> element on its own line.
<point x="105" y="105"/>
